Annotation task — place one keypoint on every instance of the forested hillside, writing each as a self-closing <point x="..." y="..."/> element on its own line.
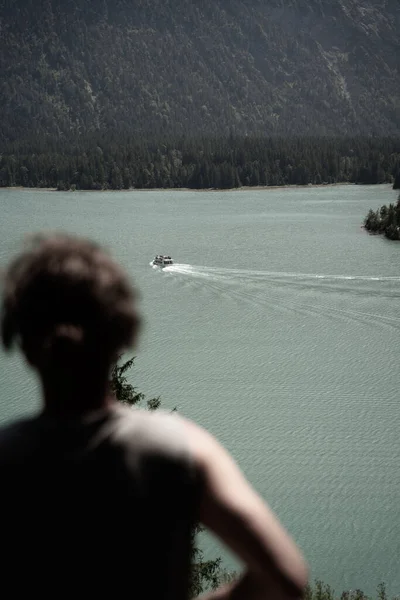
<point x="181" y="67"/>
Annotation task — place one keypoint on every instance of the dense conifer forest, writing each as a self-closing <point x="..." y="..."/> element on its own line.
<point x="122" y="162"/>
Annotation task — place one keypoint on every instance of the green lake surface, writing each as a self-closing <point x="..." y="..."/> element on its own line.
<point x="278" y="328"/>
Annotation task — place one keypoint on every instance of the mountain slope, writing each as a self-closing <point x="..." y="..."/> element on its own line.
<point x="69" y="67"/>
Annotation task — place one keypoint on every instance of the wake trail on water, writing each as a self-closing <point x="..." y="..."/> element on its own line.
<point x="226" y="273"/>
<point x="269" y="288"/>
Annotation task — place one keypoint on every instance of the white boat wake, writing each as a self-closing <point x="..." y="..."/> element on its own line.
<point x="226" y="273"/>
<point x="287" y="291"/>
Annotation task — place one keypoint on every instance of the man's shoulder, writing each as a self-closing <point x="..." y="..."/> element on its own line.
<point x="14" y="430"/>
<point x="153" y="431"/>
<point x="14" y="438"/>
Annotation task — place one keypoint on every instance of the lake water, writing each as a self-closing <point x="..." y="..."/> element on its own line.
<point x="277" y="329"/>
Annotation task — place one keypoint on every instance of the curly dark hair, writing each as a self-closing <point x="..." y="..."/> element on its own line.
<point x="65" y="298"/>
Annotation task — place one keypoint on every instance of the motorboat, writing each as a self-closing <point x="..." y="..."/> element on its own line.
<point x="162" y="261"/>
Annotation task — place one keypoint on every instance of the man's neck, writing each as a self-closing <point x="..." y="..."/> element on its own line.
<point x="76" y="400"/>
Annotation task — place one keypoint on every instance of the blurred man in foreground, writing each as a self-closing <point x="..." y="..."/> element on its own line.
<point x="98" y="499"/>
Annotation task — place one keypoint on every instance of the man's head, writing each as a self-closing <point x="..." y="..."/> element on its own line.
<point x="68" y="305"/>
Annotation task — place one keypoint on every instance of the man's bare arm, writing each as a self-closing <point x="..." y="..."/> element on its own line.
<point x="239" y="517"/>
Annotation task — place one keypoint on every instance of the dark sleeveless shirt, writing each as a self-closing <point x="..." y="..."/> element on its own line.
<point x="98" y="508"/>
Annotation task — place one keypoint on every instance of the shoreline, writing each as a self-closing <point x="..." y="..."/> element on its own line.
<point x="235" y="189"/>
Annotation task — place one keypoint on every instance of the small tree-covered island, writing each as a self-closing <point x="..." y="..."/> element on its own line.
<point x="385" y="220"/>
